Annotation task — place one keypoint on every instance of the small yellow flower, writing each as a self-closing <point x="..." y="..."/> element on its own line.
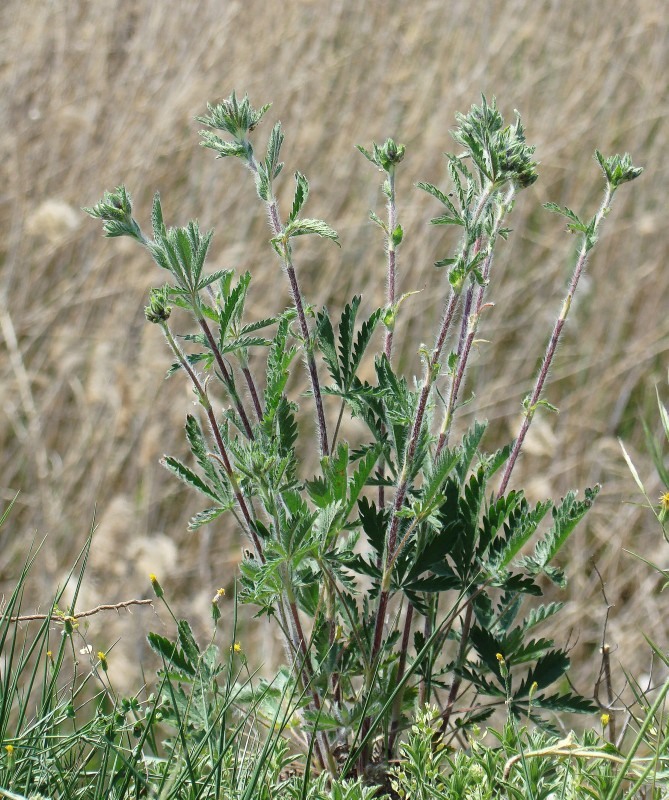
<point x="103" y="661"/>
<point x="10" y="750"/>
<point x="157" y="588"/>
<point x="604" y="719"/>
<point x="236" y="647"/>
<point x="503" y="669"/>
<point x="664" y="501"/>
<point x="220" y="593"/>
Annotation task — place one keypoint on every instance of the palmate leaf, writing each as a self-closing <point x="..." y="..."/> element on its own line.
<point x="469" y="447"/>
<point x="172" y="655"/>
<point x="485" y="686"/>
<point x="204" y="359"/>
<point x="518" y="530"/>
<point x="326" y="341"/>
<point x="548" y="669"/>
<point x="346" y="328"/>
<point x="435" y="474"/>
<point x="575" y="224"/>
<point x="343" y="362"/>
<point x="279" y="359"/>
<point x="565" y="518"/>
<point x="222" y="148"/>
<point x="187" y="641"/>
<point x="499" y="509"/>
<point x="359" y="478"/>
<point x="232" y="306"/>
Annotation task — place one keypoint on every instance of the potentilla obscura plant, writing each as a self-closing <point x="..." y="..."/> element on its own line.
<point x="402" y="573"/>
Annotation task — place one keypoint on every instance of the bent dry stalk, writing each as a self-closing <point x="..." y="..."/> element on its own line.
<point x="401" y="520"/>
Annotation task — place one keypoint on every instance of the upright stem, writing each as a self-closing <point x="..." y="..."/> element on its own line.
<point x="531" y="407"/>
<point x="254" y="392"/>
<point x="228" y="377"/>
<point x="401" y="666"/>
<point x="457" y="681"/>
<point x="392" y="260"/>
<point x="277" y="227"/>
<point x="403" y="485"/>
<point x="222" y="452"/>
<point x="431" y="373"/>
<point x="470" y="321"/>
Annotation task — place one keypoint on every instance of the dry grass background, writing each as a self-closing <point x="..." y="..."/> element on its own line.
<point x="94" y="94"/>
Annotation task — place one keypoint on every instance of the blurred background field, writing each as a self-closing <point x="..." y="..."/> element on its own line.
<point x="94" y="94"/>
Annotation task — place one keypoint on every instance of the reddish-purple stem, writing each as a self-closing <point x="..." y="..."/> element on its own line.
<point x="254" y="392"/>
<point x="227" y="376"/>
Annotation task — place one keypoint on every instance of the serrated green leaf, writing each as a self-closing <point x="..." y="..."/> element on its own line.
<point x="188" y="476"/>
<point x="301" y="194"/>
<point x="207" y="516"/>
<point x="397" y="235"/>
<point x="273" y="150"/>
<point x="548" y="669"/>
<point x="566" y="703"/>
<point x="469" y="447"/>
<point x="199" y="447"/>
<point x="540" y="613"/>
<point x="446" y="219"/>
<point x="575" y="223"/>
<point x="243" y="343"/>
<point x="368" y="155"/>
<point x="359" y="478"/>
<point x="304" y="227"/>
<point x="444" y="262"/>
<point x="326" y="341"/>
<point x="222" y="148"/>
<point x="209" y="279"/>
<point x="519" y="530"/>
<point x="379" y="222"/>
<point x="157" y="223"/>
<point x="169" y="651"/>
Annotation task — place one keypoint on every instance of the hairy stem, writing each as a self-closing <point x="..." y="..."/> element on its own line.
<point x="228" y="377"/>
<point x="277" y="227"/>
<point x="470" y="320"/>
<point x="254" y="392"/>
<point x="532" y="404"/>
<point x="403" y="484"/>
<point x="392" y="260"/>
<point x="457" y="681"/>
<point x="216" y="432"/>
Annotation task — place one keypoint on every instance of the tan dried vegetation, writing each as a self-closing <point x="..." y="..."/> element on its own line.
<point x="94" y="94"/>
